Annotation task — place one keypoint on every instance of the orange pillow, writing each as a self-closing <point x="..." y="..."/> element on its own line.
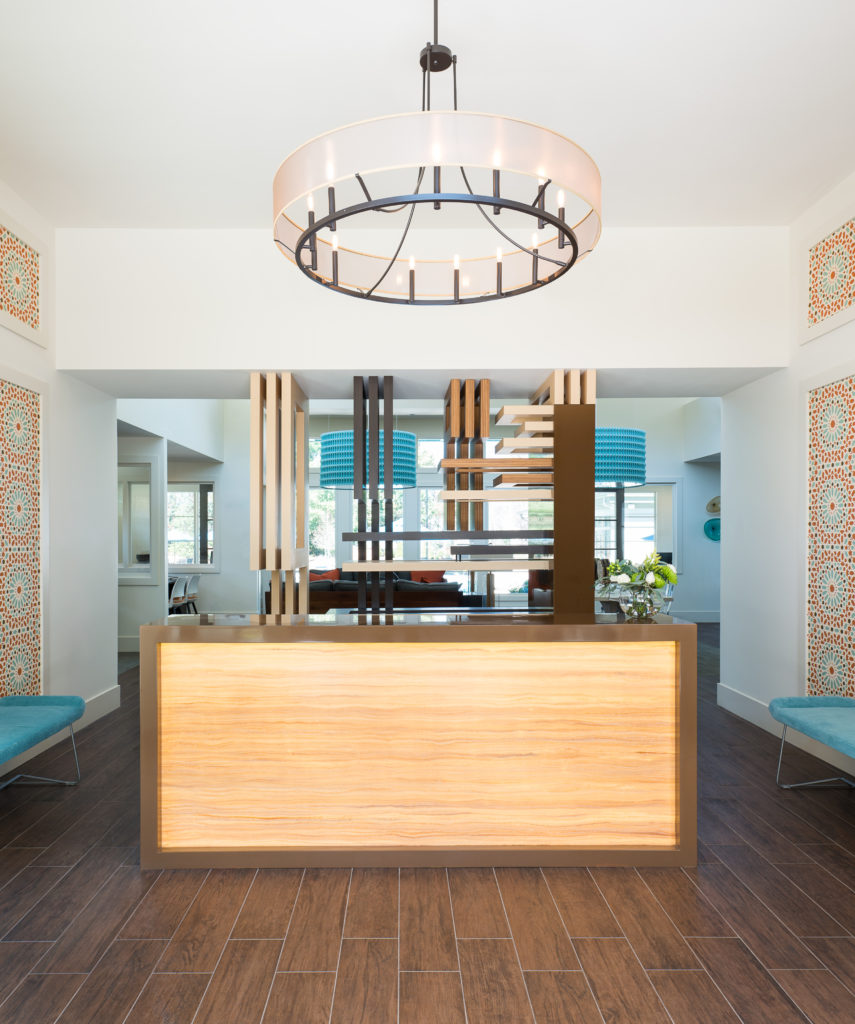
<point x="429" y="576"/>
<point x="333" y="574"/>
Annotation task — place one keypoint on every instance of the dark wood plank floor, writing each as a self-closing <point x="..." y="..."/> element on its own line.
<point x="761" y="931"/>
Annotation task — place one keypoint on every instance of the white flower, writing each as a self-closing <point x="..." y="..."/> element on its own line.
<point x="650" y="578"/>
<point x="623" y="578"/>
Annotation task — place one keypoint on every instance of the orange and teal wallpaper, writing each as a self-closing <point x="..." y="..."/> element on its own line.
<point x="19" y="279"/>
<point x="20" y="555"/>
<point x="831" y="285"/>
<point x="831" y="540"/>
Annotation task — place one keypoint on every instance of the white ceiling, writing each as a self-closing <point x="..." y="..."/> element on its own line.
<point x="178" y="112"/>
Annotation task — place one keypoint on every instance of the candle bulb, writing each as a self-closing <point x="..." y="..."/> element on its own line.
<point x="457" y="278"/>
<point x="498" y="271"/>
<point x="412" y="279"/>
<point x="560" y="217"/>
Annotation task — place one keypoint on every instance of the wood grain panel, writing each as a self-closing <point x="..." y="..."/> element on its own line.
<point x="537" y="928"/>
<point x="543" y="746"/>
<point x="580" y="903"/>
<point x="271" y="471"/>
<point x="478" y="910"/>
<point x="240" y="984"/>
<point x="521" y="479"/>
<point x="561" y="997"/>
<point x="256" y="471"/>
<point x="748" y="988"/>
<point x="269" y="904"/>
<point x="300" y="999"/>
<point x="448" y="565"/>
<point x="691" y="997"/>
<point x="493" y="985"/>
<point x="431" y="997"/>
<point x="524" y="444"/>
<point x="372" y="906"/>
<point x="366" y="990"/>
<point x="314" y="937"/>
<point x="511" y="415"/>
<point x="518" y="494"/>
<point x="427" y="926"/>
<point x="494" y="465"/>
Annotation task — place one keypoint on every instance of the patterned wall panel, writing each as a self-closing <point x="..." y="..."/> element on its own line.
<point x="831" y="540"/>
<point x="832" y="274"/>
<point x="20" y="556"/>
<point x="19" y="279"/>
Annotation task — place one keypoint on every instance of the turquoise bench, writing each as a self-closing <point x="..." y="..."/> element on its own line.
<point x="25" y="721"/>
<point x="831" y="720"/>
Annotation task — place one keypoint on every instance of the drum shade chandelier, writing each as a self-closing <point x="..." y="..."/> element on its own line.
<point x="428" y="164"/>
<point x="620" y="457"/>
<point x="337" y="458"/>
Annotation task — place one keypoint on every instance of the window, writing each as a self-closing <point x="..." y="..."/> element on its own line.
<point x="322" y="532"/>
<point x="633" y="523"/>
<point x="190" y="524"/>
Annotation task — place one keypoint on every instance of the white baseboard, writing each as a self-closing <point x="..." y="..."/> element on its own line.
<point x="96" y="707"/>
<point x="755" y="711"/>
<point x="129" y="644"/>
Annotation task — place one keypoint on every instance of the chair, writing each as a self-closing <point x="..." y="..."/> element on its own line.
<point x="191" y="593"/>
<point x="177" y="600"/>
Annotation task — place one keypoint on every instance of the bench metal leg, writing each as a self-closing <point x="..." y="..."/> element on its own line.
<point x="814" y="782"/>
<point x="33" y="780"/>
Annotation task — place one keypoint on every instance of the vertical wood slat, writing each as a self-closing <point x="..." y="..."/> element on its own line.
<point x="256" y="472"/>
<point x="389" y="479"/>
<point x="482" y="431"/>
<point x="359" y="482"/>
<point x="551" y="391"/>
<point x="467" y="437"/>
<point x="290" y="604"/>
<point x="572" y="387"/>
<point x="276" y="585"/>
<point x="287" y="474"/>
<point x="452" y="438"/>
<point x="301" y="472"/>
<point x="573" y="495"/>
<point x="374" y="480"/>
<point x="589" y="387"/>
<point x="271" y="526"/>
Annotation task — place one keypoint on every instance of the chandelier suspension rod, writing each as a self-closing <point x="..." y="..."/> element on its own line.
<point x="391" y="263"/>
<point x="435" y="22"/>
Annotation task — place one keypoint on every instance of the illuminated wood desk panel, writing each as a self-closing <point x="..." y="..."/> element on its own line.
<point x="432" y="740"/>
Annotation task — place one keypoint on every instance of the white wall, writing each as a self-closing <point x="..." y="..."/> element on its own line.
<point x="697" y="594"/>
<point x="702" y="430"/>
<point x="764" y="496"/>
<point x="78" y="505"/>
<point x="197" y="424"/>
<point x="647" y="297"/>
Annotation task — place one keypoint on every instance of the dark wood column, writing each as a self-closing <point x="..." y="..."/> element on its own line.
<point x="573" y="456"/>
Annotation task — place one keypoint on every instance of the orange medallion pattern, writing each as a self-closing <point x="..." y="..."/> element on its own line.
<point x="20" y="567"/>
<point x="831" y="540"/>
<point x="19" y="279"/>
<point x="832" y="274"/>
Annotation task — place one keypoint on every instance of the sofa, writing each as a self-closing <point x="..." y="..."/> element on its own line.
<point x="332" y="588"/>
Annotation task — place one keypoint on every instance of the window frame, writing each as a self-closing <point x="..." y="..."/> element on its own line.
<point x="184" y="568"/>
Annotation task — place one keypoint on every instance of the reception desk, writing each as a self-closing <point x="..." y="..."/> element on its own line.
<point x="417" y="739"/>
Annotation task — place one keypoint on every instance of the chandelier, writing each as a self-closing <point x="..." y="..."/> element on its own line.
<point x="533" y="193"/>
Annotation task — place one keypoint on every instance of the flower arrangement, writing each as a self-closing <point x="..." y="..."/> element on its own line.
<point x="635" y="586"/>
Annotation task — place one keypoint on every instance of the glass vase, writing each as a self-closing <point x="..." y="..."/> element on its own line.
<point x="639" y="603"/>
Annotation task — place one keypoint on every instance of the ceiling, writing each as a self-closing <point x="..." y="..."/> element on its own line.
<point x="178" y="112"/>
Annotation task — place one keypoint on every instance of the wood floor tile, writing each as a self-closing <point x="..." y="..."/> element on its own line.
<point x="766" y="840"/>
<point x="40" y="998"/>
<point x="829" y="892"/>
<point x="798" y="911"/>
<point x="431" y="998"/>
<point x="493" y="985"/>
<point x="366" y="990"/>
<point x="201" y="936"/>
<point x="58" y="908"/>
<point x="581" y="903"/>
<point x="14" y="859"/>
<point x="796" y="829"/>
<point x="112" y="988"/>
<point x="656" y="941"/>
<point x="300" y="999"/>
<point x="712" y="829"/>
<point x="83" y="833"/>
<point x="23" y="892"/>
<point x="16" y="960"/>
<point x="48" y="828"/>
<point x="838" y="955"/>
<point x="706" y="854"/>
<point x="619" y="984"/>
<point x="82" y="944"/>
<point x="838" y="862"/>
<point x="749" y="989"/>
<point x="561" y="997"/>
<point x="427" y="928"/>
<point x="536" y="925"/>
<point x="372" y="906"/>
<point x="692" y="997"/>
<point x="241" y="983"/>
<point x="164" y="905"/>
<point x="169" y="999"/>
<point x="478" y="911"/>
<point x="314" y="937"/>
<point x="683" y="903"/>
<point x="266" y="913"/>
<point x="819" y="995"/>
<point x="770" y="940"/>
